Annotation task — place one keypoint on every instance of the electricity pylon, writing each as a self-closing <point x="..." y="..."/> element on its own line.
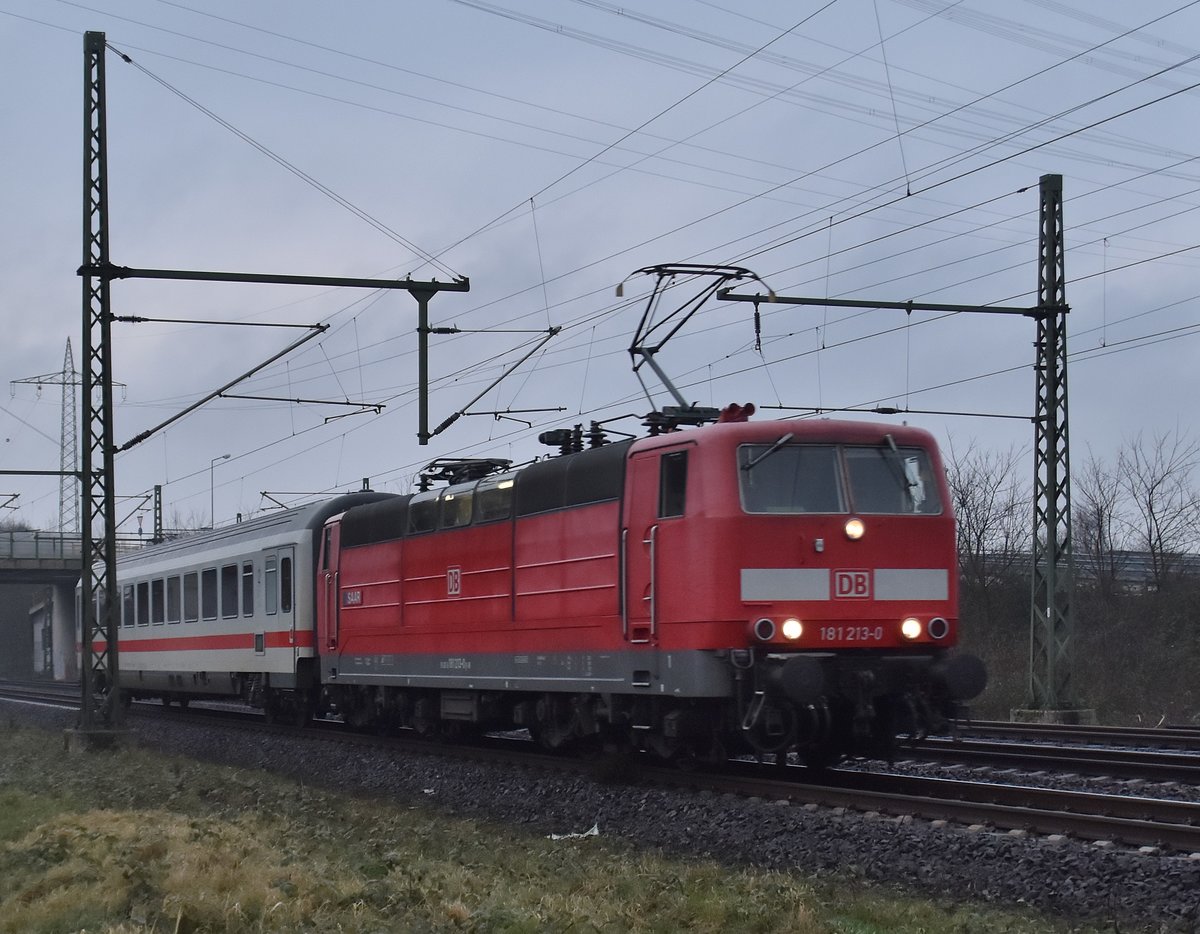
<point x="68" y="483"/>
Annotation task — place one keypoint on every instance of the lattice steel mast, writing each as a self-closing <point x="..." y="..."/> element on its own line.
<point x="1051" y="672"/>
<point x="100" y="706"/>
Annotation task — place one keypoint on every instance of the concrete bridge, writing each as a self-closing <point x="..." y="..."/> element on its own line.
<point x="38" y="574"/>
<point x="30" y="557"/>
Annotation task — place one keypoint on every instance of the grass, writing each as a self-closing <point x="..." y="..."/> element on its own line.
<point x="133" y="841"/>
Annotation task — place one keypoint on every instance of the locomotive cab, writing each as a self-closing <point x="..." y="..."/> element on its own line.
<point x="818" y="559"/>
<point x="846" y="563"/>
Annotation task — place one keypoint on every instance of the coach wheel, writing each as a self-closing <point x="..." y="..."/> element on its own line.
<point x="303" y="704"/>
<point x="270" y="707"/>
<point x="282" y="708"/>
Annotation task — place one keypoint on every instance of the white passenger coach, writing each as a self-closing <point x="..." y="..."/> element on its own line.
<point x="227" y="612"/>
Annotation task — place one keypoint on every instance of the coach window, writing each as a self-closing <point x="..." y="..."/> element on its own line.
<point x="327" y="548"/>
<point x="285" y="585"/>
<point x="208" y="593"/>
<point x="672" y="484"/>
<point x="493" y="498"/>
<point x="173" y="595"/>
<point x="271" y="586"/>
<point x="247" y="588"/>
<point x="143" y="603"/>
<point x="229" y="591"/>
<point x="127" y="603"/>
<point x="191" y="597"/>
<point x="158" y="601"/>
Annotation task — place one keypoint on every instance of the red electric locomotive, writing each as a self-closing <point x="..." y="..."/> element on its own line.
<point x="767" y="586"/>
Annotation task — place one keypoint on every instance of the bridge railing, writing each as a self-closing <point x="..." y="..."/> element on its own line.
<point x="24" y="544"/>
<point x="27" y="545"/>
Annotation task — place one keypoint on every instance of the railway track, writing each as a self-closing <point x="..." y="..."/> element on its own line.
<point x="1130" y="820"/>
<point x="1134" y="821"/>
<point x="1163" y="737"/>
<point x="1147" y="765"/>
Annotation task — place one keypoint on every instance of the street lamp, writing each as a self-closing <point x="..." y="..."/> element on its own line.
<point x="212" y="512"/>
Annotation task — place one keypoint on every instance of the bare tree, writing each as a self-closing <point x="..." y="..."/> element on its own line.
<point x="1100" y="526"/>
<point x="179" y="525"/>
<point x="1164" y="506"/>
<point x="993" y="511"/>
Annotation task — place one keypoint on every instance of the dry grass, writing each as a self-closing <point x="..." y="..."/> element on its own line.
<point x="134" y="842"/>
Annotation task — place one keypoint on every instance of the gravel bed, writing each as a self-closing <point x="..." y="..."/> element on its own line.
<point x="1076" y="880"/>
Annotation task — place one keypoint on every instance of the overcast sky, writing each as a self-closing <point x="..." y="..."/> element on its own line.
<point x="546" y="150"/>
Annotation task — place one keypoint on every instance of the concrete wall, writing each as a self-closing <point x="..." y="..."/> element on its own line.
<point x="16" y="636"/>
<point x="52" y="634"/>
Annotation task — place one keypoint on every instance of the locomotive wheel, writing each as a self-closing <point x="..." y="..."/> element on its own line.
<point x="424" y="717"/>
<point x="555" y="724"/>
<point x="775" y="731"/>
<point x="819" y="758"/>
<point x="359" y="717"/>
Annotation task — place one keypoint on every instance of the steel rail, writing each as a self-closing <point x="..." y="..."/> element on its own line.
<point x="1185" y="736"/>
<point x="1149" y="765"/>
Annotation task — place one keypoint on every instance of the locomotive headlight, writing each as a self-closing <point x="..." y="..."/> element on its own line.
<point x="910" y="628"/>
<point x="793" y="629"/>
<point x="855" y="529"/>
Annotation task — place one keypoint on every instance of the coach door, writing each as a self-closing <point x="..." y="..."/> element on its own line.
<point x="656" y="485"/>
<point x="329" y="614"/>
<point x="279" y="596"/>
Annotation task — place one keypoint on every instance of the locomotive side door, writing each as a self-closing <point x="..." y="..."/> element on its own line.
<point x="657" y="484"/>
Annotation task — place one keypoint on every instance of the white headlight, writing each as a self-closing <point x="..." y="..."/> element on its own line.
<point x="910" y="628"/>
<point x="855" y="529"/>
<point x="793" y="629"/>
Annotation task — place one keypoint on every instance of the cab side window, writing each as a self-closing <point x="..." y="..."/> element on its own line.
<point x="672" y="484"/>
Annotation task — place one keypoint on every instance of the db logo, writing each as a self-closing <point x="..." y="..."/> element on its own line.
<point x="852" y="585"/>
<point x="453" y="581"/>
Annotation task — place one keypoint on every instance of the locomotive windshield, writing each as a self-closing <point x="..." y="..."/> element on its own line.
<point x="819" y="478"/>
